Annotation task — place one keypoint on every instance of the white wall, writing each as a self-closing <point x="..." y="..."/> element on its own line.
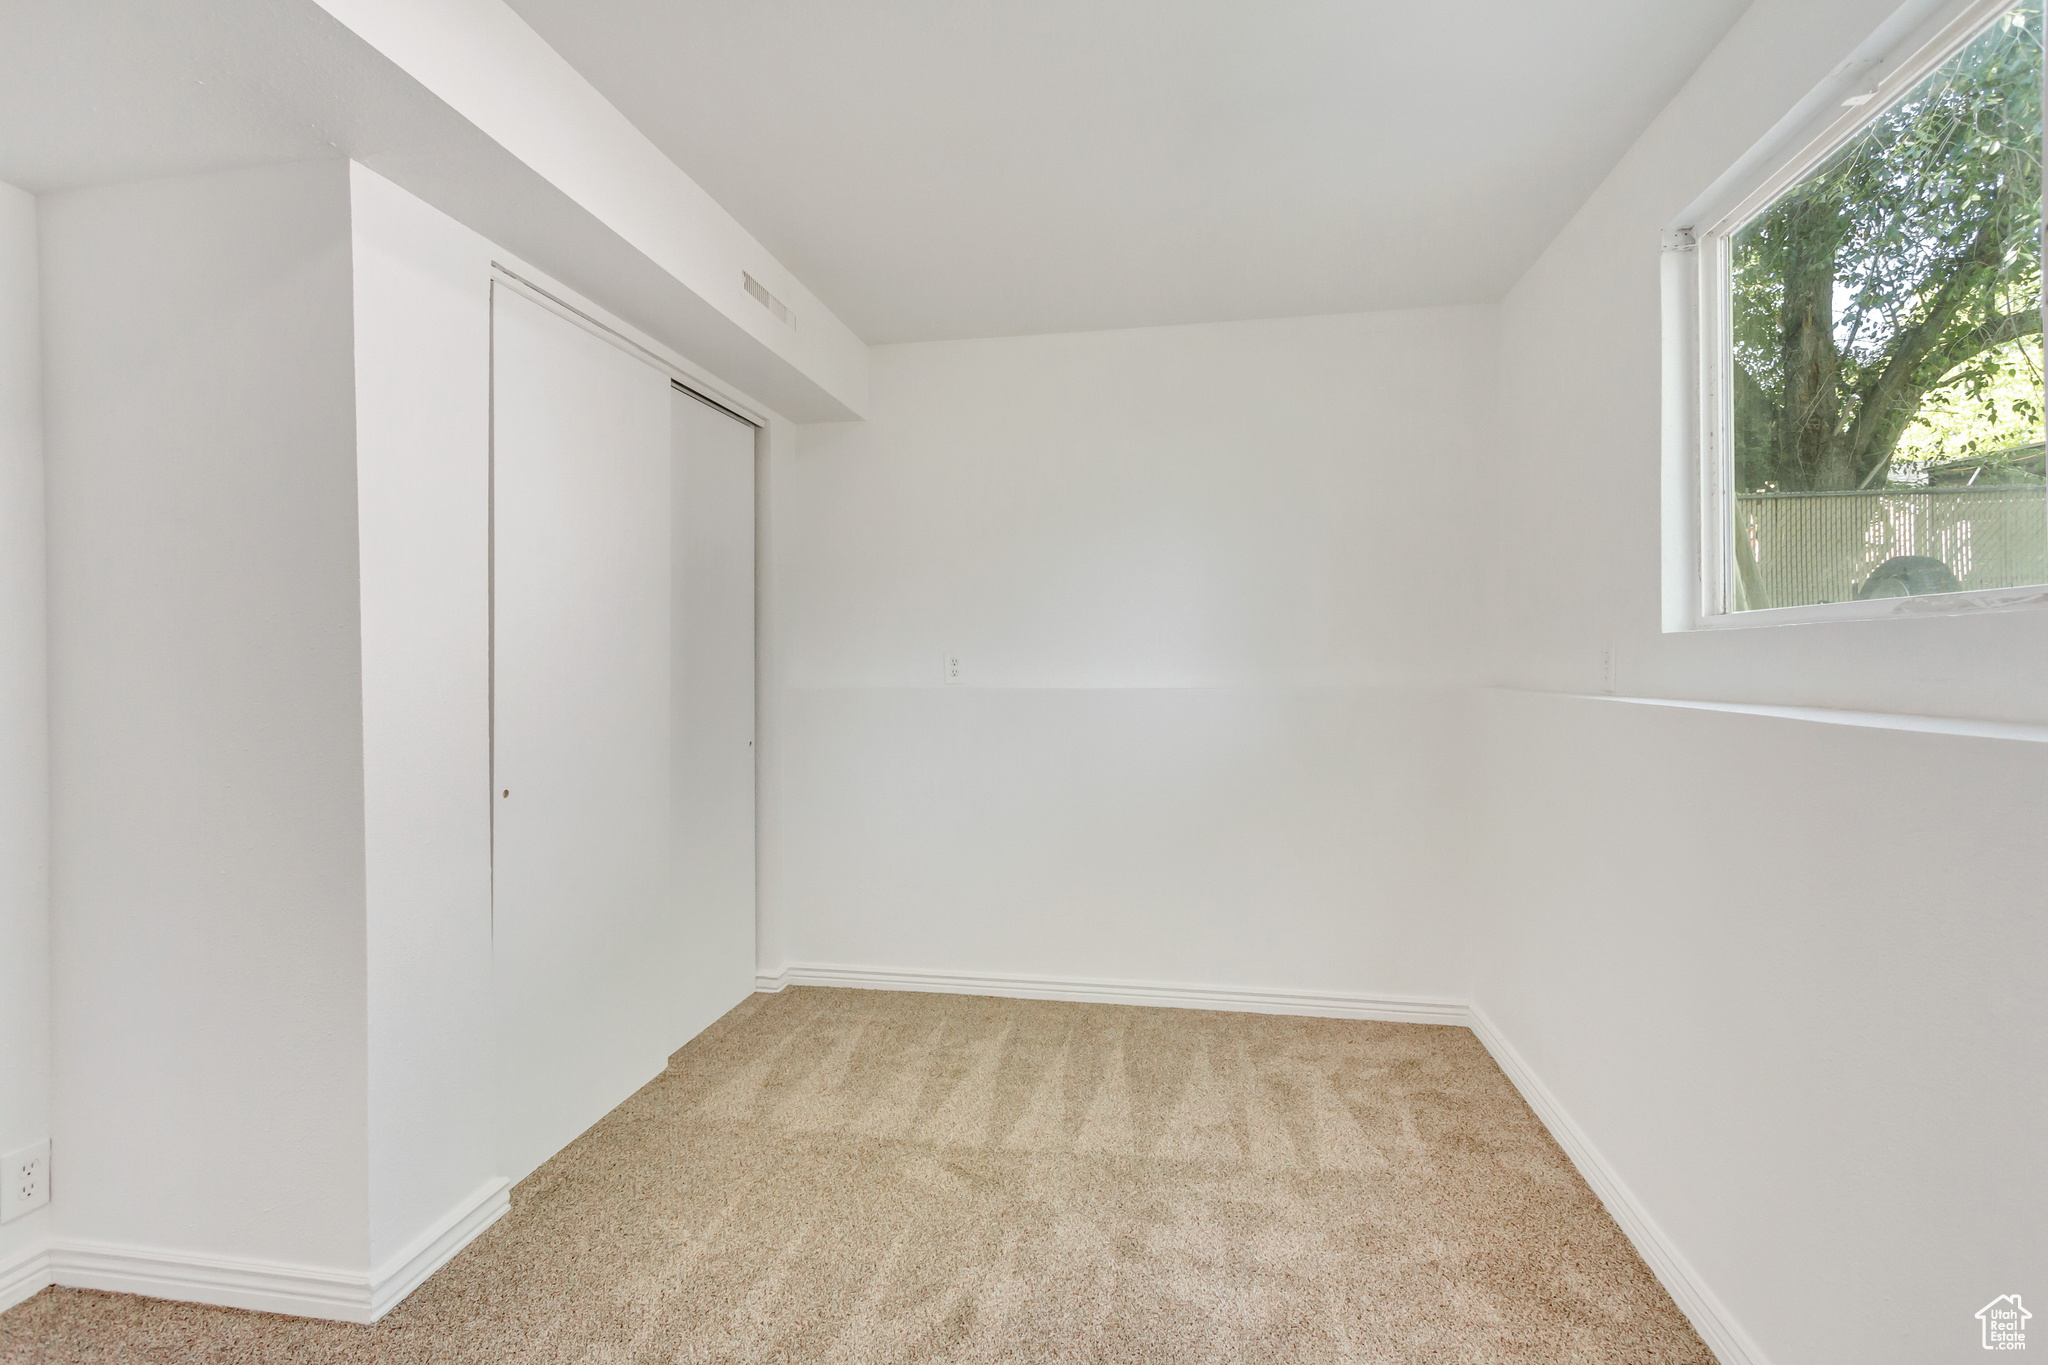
<point x="1775" y="969"/>
<point x="1201" y="585"/>
<point x="270" y="426"/>
<point x="422" y="421"/>
<point x="206" y="717"/>
<point x="1796" y="1009"/>
<point x="24" y="749"/>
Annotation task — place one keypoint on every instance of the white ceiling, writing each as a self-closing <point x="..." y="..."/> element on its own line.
<point x="957" y="168"/>
<point x="109" y="91"/>
<point x="119" y="90"/>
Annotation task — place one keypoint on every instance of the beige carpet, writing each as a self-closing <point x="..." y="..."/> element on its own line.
<point x="852" y="1176"/>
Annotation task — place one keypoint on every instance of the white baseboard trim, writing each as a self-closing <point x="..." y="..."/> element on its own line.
<point x="1723" y="1335"/>
<point x="277" y="1287"/>
<point x="261" y="1286"/>
<point x="434" y="1248"/>
<point x="1399" y="1009"/>
<point x="24" y="1277"/>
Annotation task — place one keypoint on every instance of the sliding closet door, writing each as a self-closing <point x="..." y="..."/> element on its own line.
<point x="713" y="717"/>
<point x="585" y="939"/>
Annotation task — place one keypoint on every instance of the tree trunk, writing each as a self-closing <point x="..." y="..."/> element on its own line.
<point x="1810" y="416"/>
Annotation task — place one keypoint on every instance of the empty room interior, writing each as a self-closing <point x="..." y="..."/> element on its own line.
<point x="1297" y="682"/>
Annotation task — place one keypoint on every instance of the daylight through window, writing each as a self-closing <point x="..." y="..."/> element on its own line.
<point x="1884" y="418"/>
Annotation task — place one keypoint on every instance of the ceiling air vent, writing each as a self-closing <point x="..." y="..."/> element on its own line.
<point x="768" y="300"/>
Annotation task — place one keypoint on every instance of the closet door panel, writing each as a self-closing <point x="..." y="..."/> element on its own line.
<point x="713" y="718"/>
<point x="584" y="935"/>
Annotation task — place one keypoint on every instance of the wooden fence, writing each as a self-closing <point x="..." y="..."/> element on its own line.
<point x="1820" y="547"/>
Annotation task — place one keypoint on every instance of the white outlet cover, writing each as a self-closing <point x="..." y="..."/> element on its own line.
<point x="27" y="1184"/>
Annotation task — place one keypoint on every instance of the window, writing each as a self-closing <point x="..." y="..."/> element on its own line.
<point x="1870" y="323"/>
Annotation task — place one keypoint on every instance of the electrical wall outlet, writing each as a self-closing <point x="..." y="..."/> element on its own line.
<point x="952" y="670"/>
<point x="27" y="1184"/>
<point x="1608" y="668"/>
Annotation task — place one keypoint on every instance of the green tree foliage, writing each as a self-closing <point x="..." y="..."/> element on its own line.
<point x="1907" y="267"/>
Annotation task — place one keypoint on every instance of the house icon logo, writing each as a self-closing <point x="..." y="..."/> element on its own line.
<point x="2005" y="1323"/>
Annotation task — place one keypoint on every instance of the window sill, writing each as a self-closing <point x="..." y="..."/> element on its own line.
<point x="1880" y="609"/>
<point x="2011" y="731"/>
<point x="1868" y="720"/>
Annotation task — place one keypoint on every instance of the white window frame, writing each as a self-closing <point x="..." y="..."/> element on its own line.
<point x="1699" y="463"/>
